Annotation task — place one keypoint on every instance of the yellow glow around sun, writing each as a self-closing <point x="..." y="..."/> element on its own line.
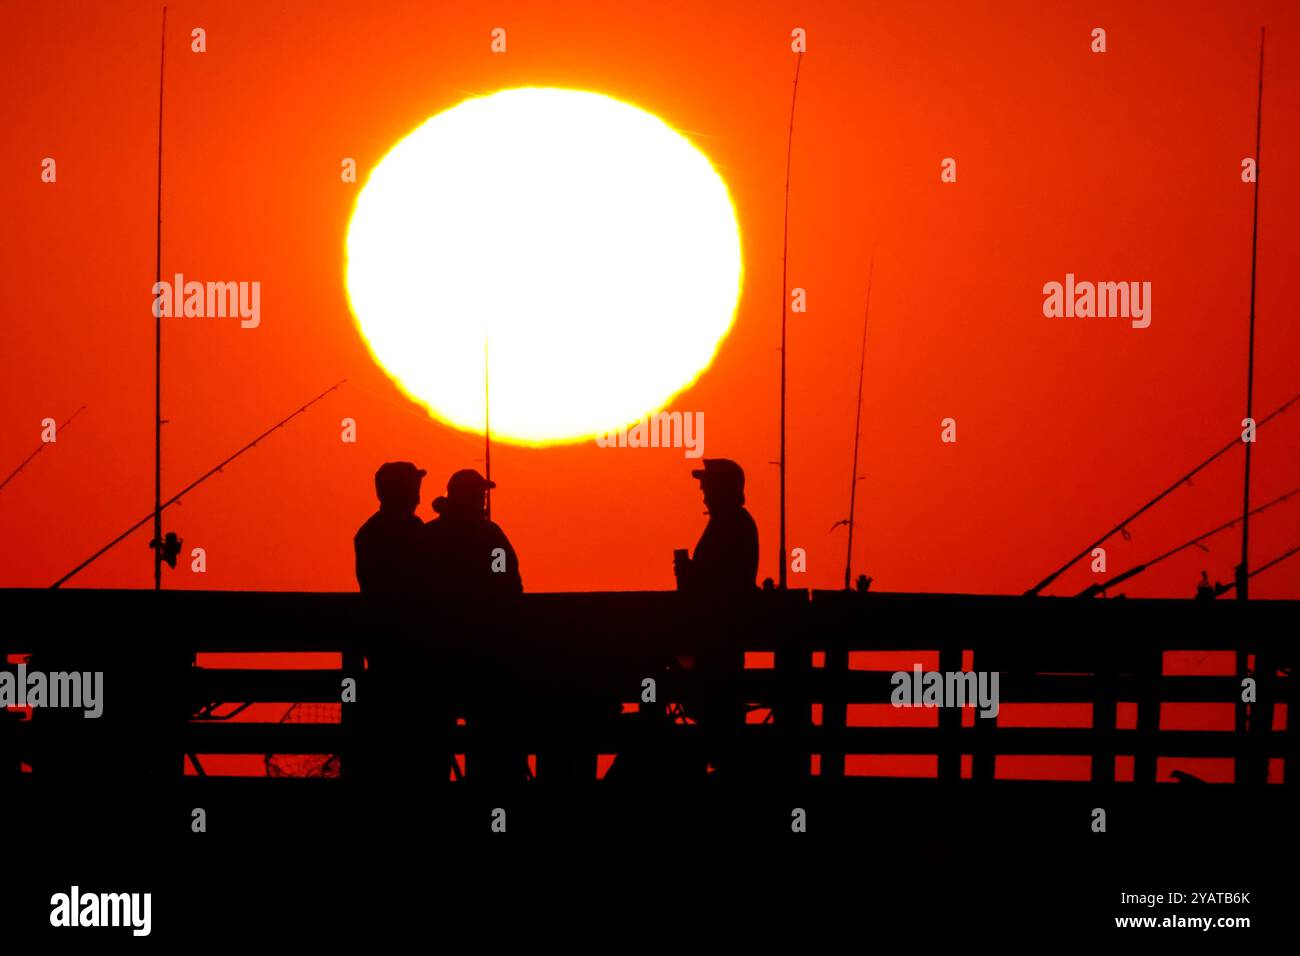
<point x="592" y="245"/>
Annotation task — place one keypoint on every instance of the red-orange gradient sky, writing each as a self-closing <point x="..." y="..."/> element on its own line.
<point x="1116" y="166"/>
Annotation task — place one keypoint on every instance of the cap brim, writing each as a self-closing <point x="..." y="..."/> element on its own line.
<point x="489" y="484"/>
<point x="698" y="473"/>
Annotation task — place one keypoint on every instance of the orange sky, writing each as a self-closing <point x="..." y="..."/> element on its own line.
<point x="1119" y="166"/>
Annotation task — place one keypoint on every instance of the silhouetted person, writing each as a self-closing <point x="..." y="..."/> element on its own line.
<point x="726" y="557"/>
<point x="390" y="545"/>
<point x="468" y="554"/>
<point x="724" y="565"/>
<point x="391" y="566"/>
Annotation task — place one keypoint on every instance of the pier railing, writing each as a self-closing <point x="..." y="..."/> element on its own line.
<point x="627" y="685"/>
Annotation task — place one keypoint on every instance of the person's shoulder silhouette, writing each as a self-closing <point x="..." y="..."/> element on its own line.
<point x="469" y="554"/>
<point x="726" y="558"/>
<point x="389" y="546"/>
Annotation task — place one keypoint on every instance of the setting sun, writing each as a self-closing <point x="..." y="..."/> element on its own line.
<point x="594" y="249"/>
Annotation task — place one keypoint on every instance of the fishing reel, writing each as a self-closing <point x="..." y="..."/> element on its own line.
<point x="169" y="549"/>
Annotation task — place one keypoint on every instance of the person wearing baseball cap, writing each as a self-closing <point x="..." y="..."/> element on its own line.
<point x="469" y="554"/>
<point x="726" y="557"/>
<point x="388" y="546"/>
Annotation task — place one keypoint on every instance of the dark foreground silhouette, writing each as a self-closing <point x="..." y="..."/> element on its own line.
<point x="726" y="557"/>
<point x="467" y="552"/>
<point x="389" y="546"/>
<point x="462" y="555"/>
<point x="581" y="675"/>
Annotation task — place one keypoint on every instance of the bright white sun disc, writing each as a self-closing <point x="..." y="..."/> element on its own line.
<point x="593" y="247"/>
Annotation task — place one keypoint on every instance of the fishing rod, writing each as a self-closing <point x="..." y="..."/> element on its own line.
<point x="1095" y="589"/>
<point x="192" y="485"/>
<point x="857" y="432"/>
<point x="1158" y="498"/>
<point x="40" y="448"/>
<point x="422" y="416"/>
<point x="487" y="434"/>
<point x="785" y="307"/>
<point x="1224" y="588"/>
<point x="157" y="543"/>
<point x="1243" y="571"/>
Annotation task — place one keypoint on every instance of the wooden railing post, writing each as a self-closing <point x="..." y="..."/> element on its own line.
<point x="1148" y="668"/>
<point x="1104" y="716"/>
<point x="1256" y="743"/>
<point x="950" y="735"/>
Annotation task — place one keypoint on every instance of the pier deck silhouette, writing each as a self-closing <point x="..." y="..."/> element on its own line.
<point x="107" y="791"/>
<point x="567" y="662"/>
